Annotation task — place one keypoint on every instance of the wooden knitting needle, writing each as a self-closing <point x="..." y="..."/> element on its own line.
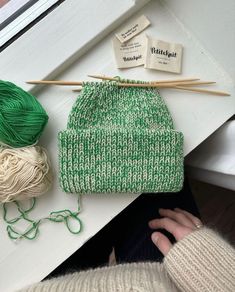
<point x="179" y="86"/>
<point x="150" y="84"/>
<point x="77" y="90"/>
<point x="55" y="82"/>
<point x="158" y="85"/>
<point x="103" y="77"/>
<point x="165" y="85"/>
<point x="221" y="93"/>
<point x="176" y="85"/>
<point x="161" y="81"/>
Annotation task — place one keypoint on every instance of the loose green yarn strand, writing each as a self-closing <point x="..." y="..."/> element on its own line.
<point x="22" y="117"/>
<point x="62" y="216"/>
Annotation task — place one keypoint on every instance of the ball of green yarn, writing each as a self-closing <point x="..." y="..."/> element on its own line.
<point x="22" y="117"/>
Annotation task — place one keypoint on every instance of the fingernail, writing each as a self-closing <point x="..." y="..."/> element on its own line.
<point x="198" y="224"/>
<point x="155" y="238"/>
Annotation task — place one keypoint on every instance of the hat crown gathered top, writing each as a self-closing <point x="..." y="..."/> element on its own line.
<point x="107" y="105"/>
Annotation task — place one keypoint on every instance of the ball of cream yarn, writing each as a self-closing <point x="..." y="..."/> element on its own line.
<point x="24" y="173"/>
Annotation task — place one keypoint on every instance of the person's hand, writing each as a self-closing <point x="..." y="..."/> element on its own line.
<point x="178" y="222"/>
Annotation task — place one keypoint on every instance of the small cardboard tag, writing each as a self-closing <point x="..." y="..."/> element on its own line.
<point x="130" y="54"/>
<point x="133" y="29"/>
<point x="164" y="56"/>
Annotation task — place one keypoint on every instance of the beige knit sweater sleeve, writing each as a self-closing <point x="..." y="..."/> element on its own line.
<point x="202" y="261"/>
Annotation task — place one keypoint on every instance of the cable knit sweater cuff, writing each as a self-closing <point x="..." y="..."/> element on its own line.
<point x="202" y="261"/>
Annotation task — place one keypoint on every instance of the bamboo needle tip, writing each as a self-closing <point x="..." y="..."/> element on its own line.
<point x="38" y="82"/>
<point x="55" y="82"/>
<point x="31" y="82"/>
<point x="102" y="77"/>
<point x="95" y="76"/>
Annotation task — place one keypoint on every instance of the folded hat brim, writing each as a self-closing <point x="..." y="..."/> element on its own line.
<point x="121" y="160"/>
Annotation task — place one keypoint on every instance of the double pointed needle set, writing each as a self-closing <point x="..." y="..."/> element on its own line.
<point x="179" y="84"/>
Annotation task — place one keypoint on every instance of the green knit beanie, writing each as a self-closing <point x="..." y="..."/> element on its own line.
<point x="120" y="139"/>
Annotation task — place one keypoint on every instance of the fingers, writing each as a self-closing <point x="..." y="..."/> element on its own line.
<point x="178" y="222"/>
<point x="164" y="223"/>
<point x="179" y="217"/>
<point x="178" y="230"/>
<point x="196" y="221"/>
<point x="162" y="242"/>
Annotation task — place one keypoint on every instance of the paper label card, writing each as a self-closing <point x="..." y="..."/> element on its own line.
<point x="164" y="56"/>
<point x="133" y="29"/>
<point x="131" y="53"/>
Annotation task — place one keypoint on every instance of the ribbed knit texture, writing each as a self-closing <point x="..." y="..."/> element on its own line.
<point x="202" y="261"/>
<point x="143" y="277"/>
<point x="120" y="140"/>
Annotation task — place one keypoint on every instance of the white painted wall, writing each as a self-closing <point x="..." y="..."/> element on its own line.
<point x="213" y="23"/>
